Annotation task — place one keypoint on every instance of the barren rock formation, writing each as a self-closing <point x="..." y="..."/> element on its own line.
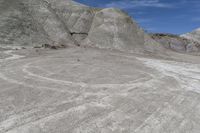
<point x="177" y="43"/>
<point x="31" y="22"/>
<point x="112" y="28"/>
<point x="194" y="35"/>
<point x="65" y="22"/>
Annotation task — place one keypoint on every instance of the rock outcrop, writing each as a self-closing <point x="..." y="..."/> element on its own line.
<point x="177" y="43"/>
<point x="112" y="28"/>
<point x="35" y="22"/>
<point x="194" y="35"/>
<point x="65" y="22"/>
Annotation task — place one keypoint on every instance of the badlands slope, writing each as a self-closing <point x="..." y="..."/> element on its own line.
<point x="181" y="44"/>
<point x="65" y="22"/>
<point x="194" y="35"/>
<point x="88" y="89"/>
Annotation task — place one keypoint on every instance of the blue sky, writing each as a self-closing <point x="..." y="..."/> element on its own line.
<point x="164" y="16"/>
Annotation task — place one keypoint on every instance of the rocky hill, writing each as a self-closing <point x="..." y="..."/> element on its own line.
<point x="67" y="23"/>
<point x="177" y="43"/>
<point x="194" y="35"/>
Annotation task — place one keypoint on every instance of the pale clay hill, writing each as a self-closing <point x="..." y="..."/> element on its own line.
<point x="65" y="22"/>
<point x="194" y="35"/>
<point x="33" y="23"/>
<point x="177" y="43"/>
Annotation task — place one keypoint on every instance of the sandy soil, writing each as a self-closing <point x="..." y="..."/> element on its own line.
<point x="79" y="90"/>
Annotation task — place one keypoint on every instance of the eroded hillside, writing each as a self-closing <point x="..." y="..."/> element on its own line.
<point x="65" y="22"/>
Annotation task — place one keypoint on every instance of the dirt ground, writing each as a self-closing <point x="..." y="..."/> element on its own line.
<point x="87" y="90"/>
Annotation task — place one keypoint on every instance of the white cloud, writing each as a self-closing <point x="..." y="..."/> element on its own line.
<point x="129" y="4"/>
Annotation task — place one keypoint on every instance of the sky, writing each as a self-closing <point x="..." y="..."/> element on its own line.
<point x="161" y="16"/>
